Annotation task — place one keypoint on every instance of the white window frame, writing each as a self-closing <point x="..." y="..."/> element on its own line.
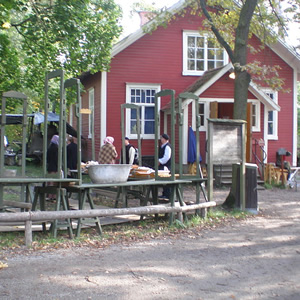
<point x="256" y="126"/>
<point x="91" y="93"/>
<point x="130" y="86"/>
<point x="206" y="115"/>
<point x="185" y="35"/>
<point x="273" y="136"/>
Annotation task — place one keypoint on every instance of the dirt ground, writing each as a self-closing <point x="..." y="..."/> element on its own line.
<point x="257" y="258"/>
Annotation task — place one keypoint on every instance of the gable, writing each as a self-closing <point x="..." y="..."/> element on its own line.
<point x="282" y="49"/>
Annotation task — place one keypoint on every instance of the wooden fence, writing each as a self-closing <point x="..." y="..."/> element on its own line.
<point x="30" y="216"/>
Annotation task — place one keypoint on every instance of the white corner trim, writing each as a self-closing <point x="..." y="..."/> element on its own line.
<point x="185" y="135"/>
<point x="265" y="133"/>
<point x="295" y="119"/>
<point x="103" y="106"/>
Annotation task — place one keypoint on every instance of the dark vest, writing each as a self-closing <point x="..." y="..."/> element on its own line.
<point x="161" y="154"/>
<point x="127" y="147"/>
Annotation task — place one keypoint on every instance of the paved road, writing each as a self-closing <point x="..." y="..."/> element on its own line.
<point x="258" y="258"/>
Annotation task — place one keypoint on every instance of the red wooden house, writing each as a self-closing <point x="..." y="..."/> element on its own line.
<point x="181" y="58"/>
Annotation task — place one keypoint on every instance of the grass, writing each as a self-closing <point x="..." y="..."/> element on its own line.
<point x="125" y="233"/>
<point x="32" y="169"/>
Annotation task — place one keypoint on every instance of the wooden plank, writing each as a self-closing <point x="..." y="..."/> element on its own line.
<point x="17" y="204"/>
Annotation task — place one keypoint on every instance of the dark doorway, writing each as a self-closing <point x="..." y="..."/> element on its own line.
<point x="225" y="110"/>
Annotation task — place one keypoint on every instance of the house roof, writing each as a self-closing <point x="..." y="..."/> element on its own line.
<point x="211" y="76"/>
<point x="282" y="49"/>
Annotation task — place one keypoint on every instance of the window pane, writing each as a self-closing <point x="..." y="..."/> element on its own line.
<point x="270" y="128"/>
<point x="153" y="94"/>
<point x="270" y="116"/>
<point x="133" y="127"/>
<point x="191" y="41"/>
<point x="191" y="53"/>
<point x="211" y="54"/>
<point x="201" y="120"/>
<point x="200" y="42"/>
<point x="191" y="65"/>
<point x="149" y="113"/>
<point x="200" y="53"/>
<point x="253" y="115"/>
<point x="200" y="65"/>
<point x="143" y="98"/>
<point x="219" y="64"/>
<point x="149" y="127"/>
<point x="201" y="108"/>
<point x="201" y="113"/>
<point x="210" y="65"/>
<point x="219" y="54"/>
<point x="133" y="114"/>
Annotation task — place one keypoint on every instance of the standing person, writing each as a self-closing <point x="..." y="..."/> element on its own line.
<point x="52" y="160"/>
<point x="164" y="160"/>
<point x="107" y="153"/>
<point x="71" y="154"/>
<point x="52" y="155"/>
<point x="129" y="152"/>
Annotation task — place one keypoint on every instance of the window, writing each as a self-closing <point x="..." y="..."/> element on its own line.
<point x="272" y="117"/>
<point x="201" y="114"/>
<point x="200" y="54"/>
<point x="143" y="96"/>
<point x="203" y="108"/>
<point x="255" y="116"/>
<point x="91" y="115"/>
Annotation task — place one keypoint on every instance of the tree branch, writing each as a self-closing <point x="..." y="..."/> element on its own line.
<point x="216" y="31"/>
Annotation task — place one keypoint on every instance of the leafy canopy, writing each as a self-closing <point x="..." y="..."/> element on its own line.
<point x="43" y="35"/>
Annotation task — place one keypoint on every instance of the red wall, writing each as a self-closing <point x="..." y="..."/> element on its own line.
<point x="285" y="101"/>
<point x="93" y="81"/>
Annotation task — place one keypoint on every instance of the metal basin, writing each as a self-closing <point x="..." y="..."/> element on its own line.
<point x="109" y="173"/>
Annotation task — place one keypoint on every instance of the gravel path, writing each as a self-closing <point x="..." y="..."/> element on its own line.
<point x="258" y="258"/>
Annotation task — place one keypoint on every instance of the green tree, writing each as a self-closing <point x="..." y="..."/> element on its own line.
<point x="43" y="35"/>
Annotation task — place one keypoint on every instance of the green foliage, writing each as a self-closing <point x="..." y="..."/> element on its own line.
<point x="44" y="35"/>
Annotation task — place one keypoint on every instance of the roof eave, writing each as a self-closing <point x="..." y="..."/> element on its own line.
<point x="263" y="97"/>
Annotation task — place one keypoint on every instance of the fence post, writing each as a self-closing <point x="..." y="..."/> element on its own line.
<point x="28" y="233"/>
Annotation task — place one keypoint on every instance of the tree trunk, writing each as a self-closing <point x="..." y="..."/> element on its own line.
<point x="241" y="85"/>
<point x="242" y="78"/>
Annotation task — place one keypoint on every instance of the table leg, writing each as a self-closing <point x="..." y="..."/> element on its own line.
<point x="172" y="201"/>
<point x="144" y="200"/>
<point x="92" y="205"/>
<point x="66" y="207"/>
<point x="82" y="200"/>
<point x="180" y="199"/>
<point x="57" y="207"/>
